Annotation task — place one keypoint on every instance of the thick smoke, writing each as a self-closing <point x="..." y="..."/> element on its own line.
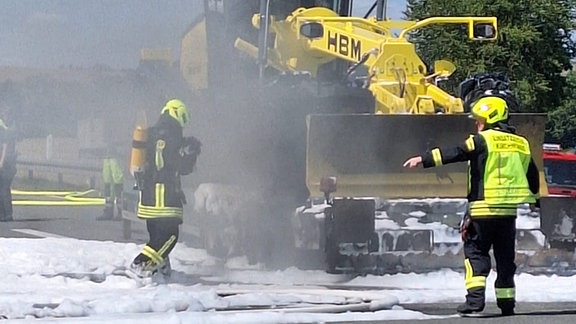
<point x="254" y="134"/>
<point x="73" y="61"/>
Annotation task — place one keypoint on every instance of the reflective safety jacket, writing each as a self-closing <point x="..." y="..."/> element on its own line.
<point x="112" y="171"/>
<point x="502" y="173"/>
<point x="161" y="194"/>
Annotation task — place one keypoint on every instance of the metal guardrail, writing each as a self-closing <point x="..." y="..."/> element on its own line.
<point x="84" y="173"/>
<point x="66" y="183"/>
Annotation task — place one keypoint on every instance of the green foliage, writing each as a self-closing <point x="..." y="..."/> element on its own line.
<point x="562" y="121"/>
<point x="534" y="46"/>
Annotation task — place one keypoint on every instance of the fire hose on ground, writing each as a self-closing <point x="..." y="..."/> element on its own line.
<point x="56" y="198"/>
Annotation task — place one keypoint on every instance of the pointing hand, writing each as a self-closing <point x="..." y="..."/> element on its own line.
<point x="413" y="162"/>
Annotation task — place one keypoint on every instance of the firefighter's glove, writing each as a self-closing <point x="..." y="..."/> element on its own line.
<point x="190" y="151"/>
<point x="191" y="146"/>
<point x="464" y="226"/>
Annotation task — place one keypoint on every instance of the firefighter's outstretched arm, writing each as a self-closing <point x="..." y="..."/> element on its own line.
<point x="440" y="156"/>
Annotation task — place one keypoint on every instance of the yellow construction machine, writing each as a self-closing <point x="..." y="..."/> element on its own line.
<point x="357" y="157"/>
<point x="330" y="111"/>
<point x="364" y="152"/>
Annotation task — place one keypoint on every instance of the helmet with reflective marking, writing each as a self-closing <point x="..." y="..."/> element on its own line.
<point x="177" y="109"/>
<point x="491" y="110"/>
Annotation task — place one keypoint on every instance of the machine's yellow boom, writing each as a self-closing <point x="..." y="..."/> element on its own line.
<point x="397" y="76"/>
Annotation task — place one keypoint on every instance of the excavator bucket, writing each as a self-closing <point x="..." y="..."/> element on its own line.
<point x="365" y="153"/>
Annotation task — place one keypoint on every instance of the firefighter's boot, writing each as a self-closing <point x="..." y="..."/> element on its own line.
<point x="108" y="212"/>
<point x="466" y="308"/>
<point x="142" y="269"/>
<point x="506" y="306"/>
<point x="475" y="301"/>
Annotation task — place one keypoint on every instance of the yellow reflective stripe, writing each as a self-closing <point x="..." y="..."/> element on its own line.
<point x="437" y="156"/>
<point x="159" y="159"/>
<point x="159" y="195"/>
<point x="505" y="293"/>
<point x="481" y="208"/>
<point x="489" y="212"/>
<point x="494" y="209"/>
<point x="507" y="193"/>
<point x="156" y="212"/>
<point x="167" y="245"/>
<point x="484" y="204"/>
<point x="470" y="280"/>
<point x="152" y="255"/>
<point x="470" y="144"/>
<point x="476" y="282"/>
<point x="467" y="269"/>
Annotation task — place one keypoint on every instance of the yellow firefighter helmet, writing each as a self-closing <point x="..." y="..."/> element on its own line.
<point x="491" y="110"/>
<point x="177" y="109"/>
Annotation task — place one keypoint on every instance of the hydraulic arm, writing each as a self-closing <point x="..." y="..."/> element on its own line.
<point x="397" y="77"/>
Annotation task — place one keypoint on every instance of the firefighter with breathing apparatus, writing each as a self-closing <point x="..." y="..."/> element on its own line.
<point x="160" y="155"/>
<point x="502" y="175"/>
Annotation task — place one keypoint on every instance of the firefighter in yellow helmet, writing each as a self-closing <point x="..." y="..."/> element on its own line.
<point x="502" y="175"/>
<point x="168" y="156"/>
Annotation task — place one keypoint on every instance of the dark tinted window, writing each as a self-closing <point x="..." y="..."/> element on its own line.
<point x="560" y="172"/>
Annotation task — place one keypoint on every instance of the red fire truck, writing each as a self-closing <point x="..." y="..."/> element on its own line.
<point x="560" y="170"/>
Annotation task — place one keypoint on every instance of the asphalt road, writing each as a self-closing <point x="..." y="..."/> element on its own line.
<point x="74" y="222"/>
<point x="525" y="313"/>
<point x="81" y="223"/>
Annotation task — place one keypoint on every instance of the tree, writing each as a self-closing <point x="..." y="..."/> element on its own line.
<point x="534" y="46"/>
<point x="562" y="121"/>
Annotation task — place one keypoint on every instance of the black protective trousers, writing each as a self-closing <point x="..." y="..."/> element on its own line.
<point x="6" y="177"/>
<point x="113" y="198"/>
<point x="161" y="231"/>
<point x="500" y="235"/>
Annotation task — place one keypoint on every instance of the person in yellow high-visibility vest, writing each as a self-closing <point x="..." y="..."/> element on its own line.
<point x="113" y="179"/>
<point x="502" y="175"/>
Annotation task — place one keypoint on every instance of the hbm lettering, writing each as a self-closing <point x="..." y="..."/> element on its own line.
<point x="344" y="45"/>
